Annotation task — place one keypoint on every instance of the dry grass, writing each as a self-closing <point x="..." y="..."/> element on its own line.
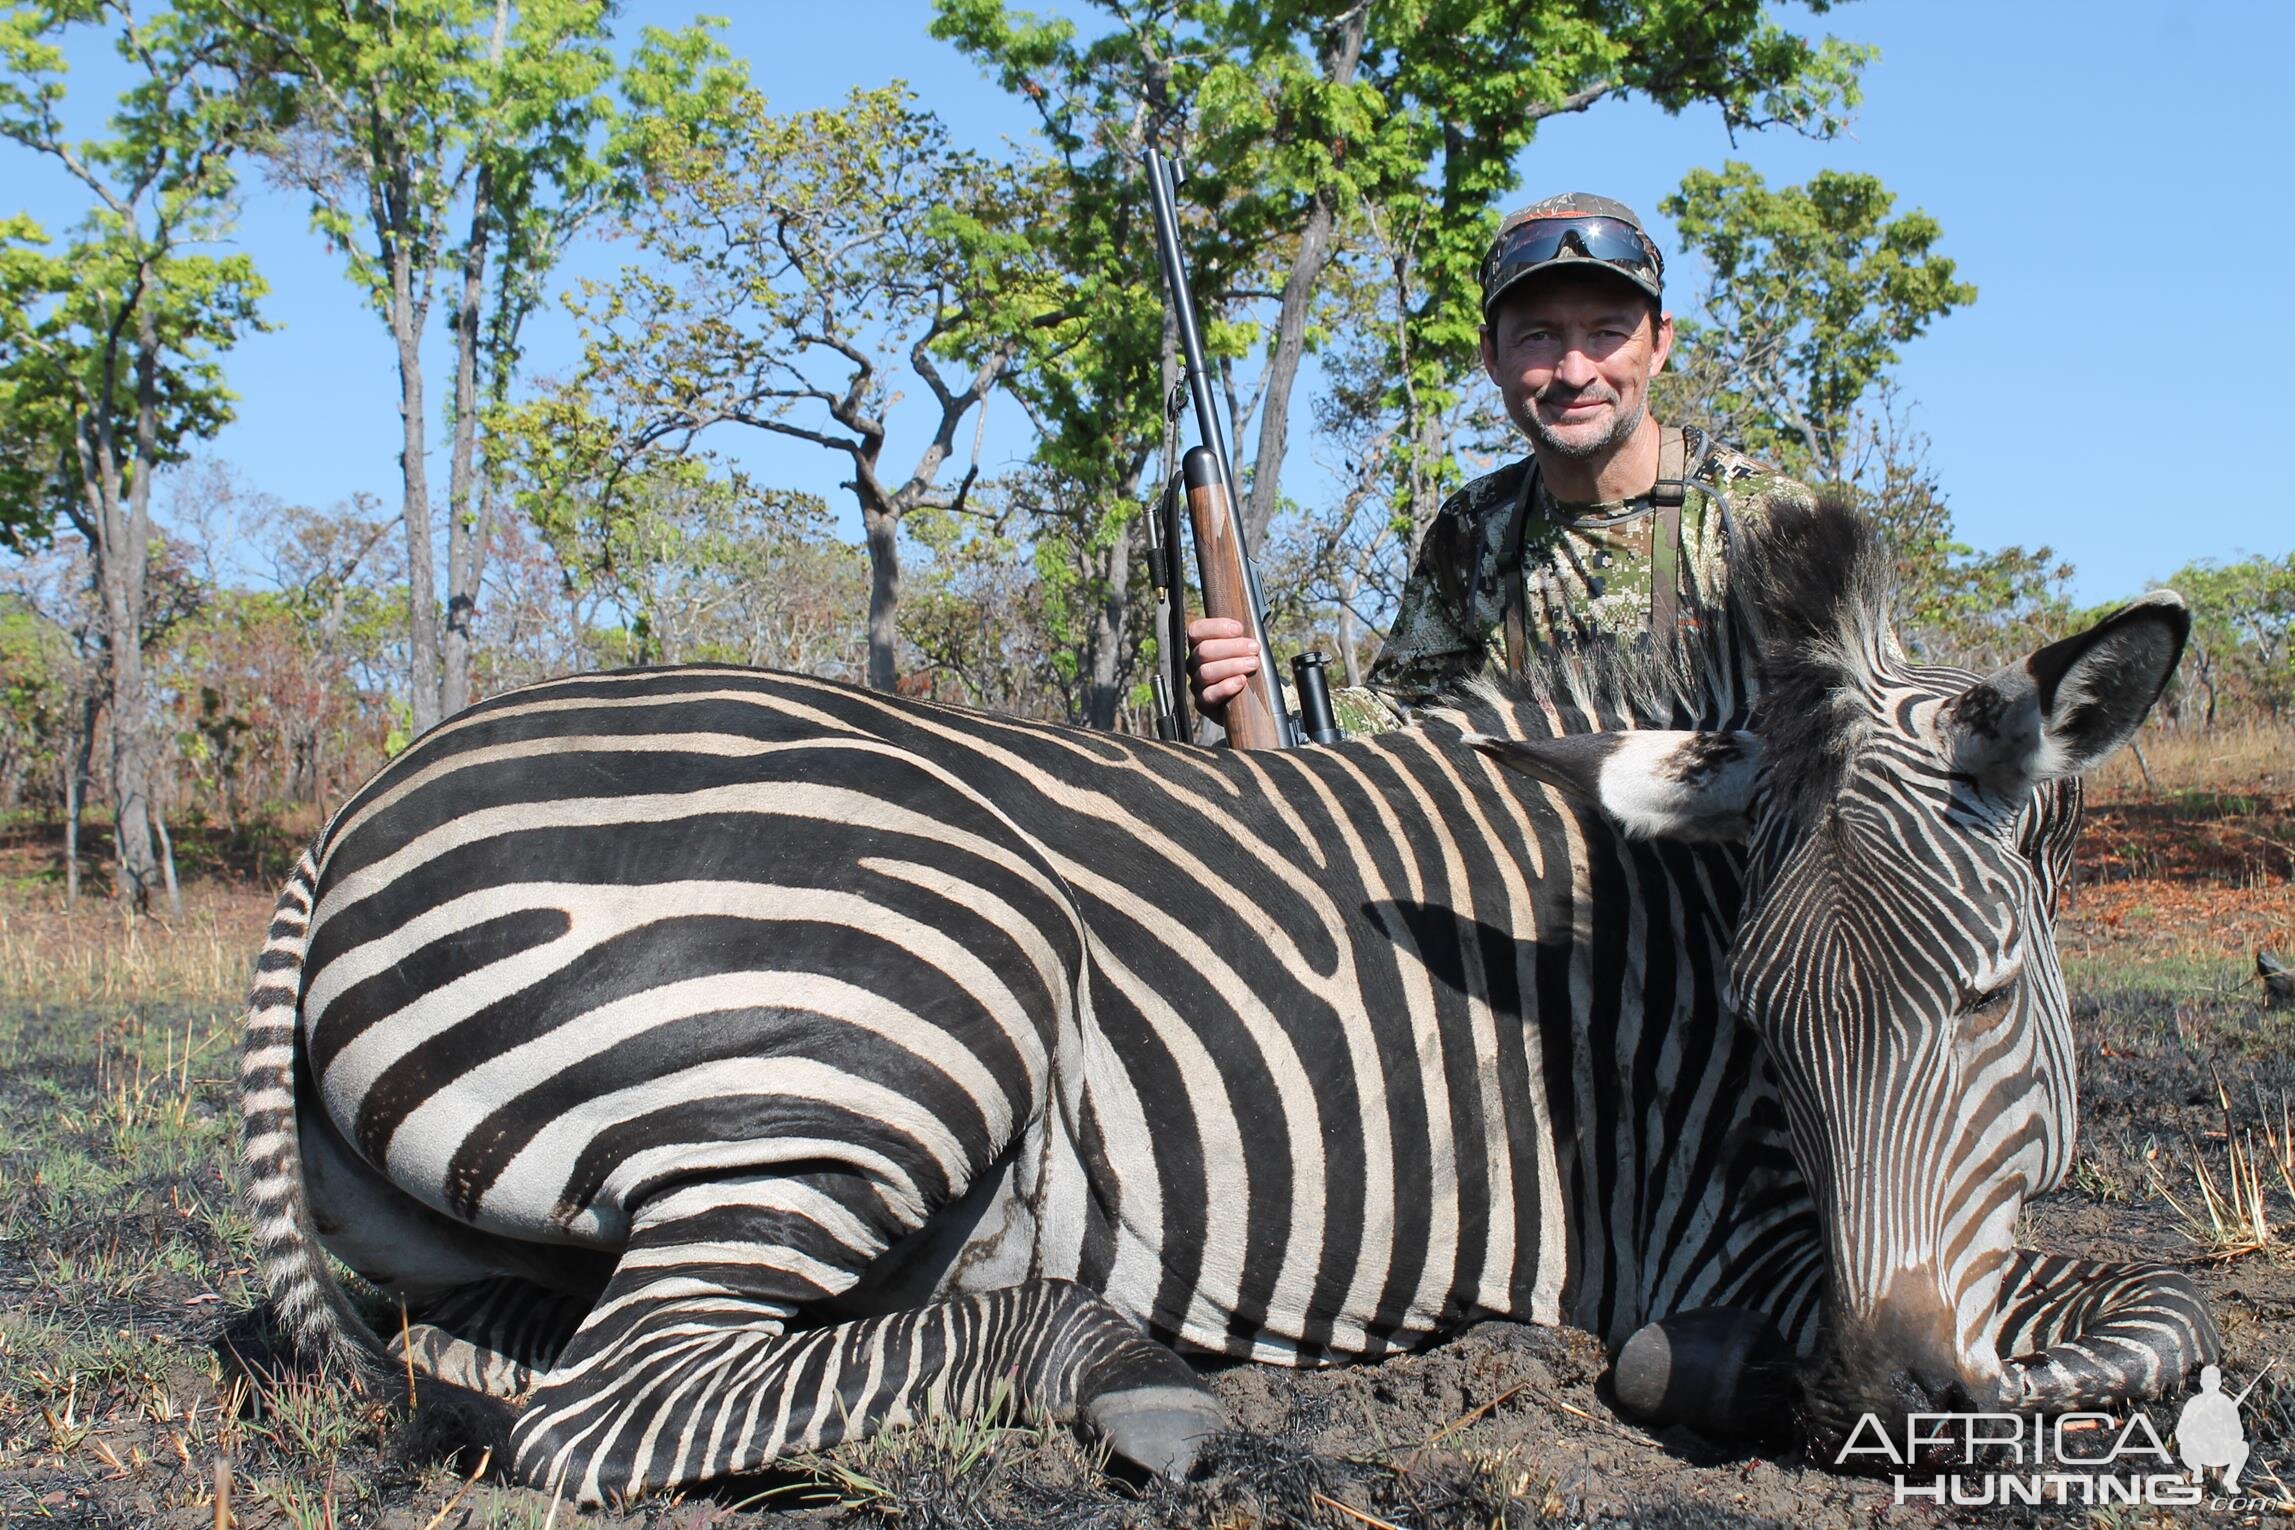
<point x="91" y="954"/>
<point x="128" y="1287"/>
<point x="2255" y="758"/>
<point x="2194" y="867"/>
<point x="2232" y="1214"/>
<point x="125" y="1266"/>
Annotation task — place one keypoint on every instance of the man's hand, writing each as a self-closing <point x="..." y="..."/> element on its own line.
<point x="1220" y="657"/>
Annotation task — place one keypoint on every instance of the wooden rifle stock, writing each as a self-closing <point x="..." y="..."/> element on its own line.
<point x="1251" y="718"/>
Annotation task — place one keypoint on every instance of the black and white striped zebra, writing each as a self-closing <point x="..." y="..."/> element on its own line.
<point x="722" y="1064"/>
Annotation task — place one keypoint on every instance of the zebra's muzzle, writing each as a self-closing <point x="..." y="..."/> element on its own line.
<point x="2075" y="1335"/>
<point x="1904" y="1355"/>
<point x="1837" y="1410"/>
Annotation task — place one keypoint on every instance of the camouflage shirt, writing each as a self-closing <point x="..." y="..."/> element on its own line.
<point x="1586" y="571"/>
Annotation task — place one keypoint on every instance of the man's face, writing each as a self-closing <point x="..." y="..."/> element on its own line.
<point x="1573" y="354"/>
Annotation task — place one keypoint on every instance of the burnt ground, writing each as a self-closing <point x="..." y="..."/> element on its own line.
<point x="132" y="1342"/>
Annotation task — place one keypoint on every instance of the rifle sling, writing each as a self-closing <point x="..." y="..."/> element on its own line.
<point x="1665" y="537"/>
<point x="1517" y="597"/>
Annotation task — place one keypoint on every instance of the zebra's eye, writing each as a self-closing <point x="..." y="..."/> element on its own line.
<point x="1984" y="1005"/>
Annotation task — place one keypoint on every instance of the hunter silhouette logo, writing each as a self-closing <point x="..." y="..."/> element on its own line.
<point x="2208" y="1432"/>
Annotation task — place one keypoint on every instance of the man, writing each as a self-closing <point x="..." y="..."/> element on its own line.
<point x="1613" y="525"/>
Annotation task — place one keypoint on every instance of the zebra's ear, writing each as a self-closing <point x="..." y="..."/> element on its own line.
<point x="1651" y="783"/>
<point x="2067" y="707"/>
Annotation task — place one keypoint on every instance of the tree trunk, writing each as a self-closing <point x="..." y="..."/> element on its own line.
<point x="421" y="576"/>
<point x="1354" y="668"/>
<point x="76" y="793"/>
<point x="71" y="838"/>
<point x="464" y="577"/>
<point x="881" y="525"/>
<point x="124" y="521"/>
<point x="1106" y="690"/>
<point x="137" y="874"/>
<point x="465" y="552"/>
<point x="167" y="866"/>
<point x="1428" y="445"/>
<point x="1283" y="372"/>
<point x="1342" y="51"/>
<point x="466" y="523"/>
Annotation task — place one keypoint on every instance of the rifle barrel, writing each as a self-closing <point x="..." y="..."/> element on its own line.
<point x="1250" y="606"/>
<point x="2252" y="1385"/>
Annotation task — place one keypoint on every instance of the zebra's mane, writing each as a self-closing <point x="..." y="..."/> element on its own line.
<point x="1804" y="630"/>
<point x="1604" y="686"/>
<point x="1817" y="585"/>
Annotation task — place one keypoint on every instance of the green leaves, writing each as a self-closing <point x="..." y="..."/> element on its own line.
<point x="110" y="337"/>
<point x="387" y="113"/>
<point x="1812" y="290"/>
<point x="66" y="369"/>
<point x="1346" y="165"/>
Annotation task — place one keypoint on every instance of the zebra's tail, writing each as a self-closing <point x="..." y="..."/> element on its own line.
<point x="312" y="1307"/>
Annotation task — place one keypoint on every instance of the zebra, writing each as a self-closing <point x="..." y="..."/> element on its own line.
<point x="718" y="1065"/>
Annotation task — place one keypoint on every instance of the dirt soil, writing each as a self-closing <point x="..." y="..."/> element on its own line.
<point x="2182" y="1067"/>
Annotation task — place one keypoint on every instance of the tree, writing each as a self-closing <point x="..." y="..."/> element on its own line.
<point x="1014" y="610"/>
<point x="305" y="660"/>
<point x="795" y="273"/>
<point x="1811" y="290"/>
<point x="974" y="616"/>
<point x="1299" y="115"/>
<point x="1317" y="137"/>
<point x="108" y="343"/>
<point x="705" y="567"/>
<point x="451" y="149"/>
<point x="2241" y="658"/>
<point x="52" y="686"/>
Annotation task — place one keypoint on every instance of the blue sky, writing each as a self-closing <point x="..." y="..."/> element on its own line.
<point x="2115" y="178"/>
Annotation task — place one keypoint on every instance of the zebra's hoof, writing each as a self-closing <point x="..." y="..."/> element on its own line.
<point x="1723" y="1371"/>
<point x="1160" y="1429"/>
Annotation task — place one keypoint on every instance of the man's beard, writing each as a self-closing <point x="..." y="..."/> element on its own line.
<point x="1622" y="427"/>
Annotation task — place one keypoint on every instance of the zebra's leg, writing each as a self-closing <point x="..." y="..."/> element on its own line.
<point x="685" y="1381"/>
<point x="494" y="1336"/>
<point x="687" y="1369"/>
<point x="2079" y="1333"/>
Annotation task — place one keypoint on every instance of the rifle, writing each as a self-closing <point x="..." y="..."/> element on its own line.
<point x="1256" y="717"/>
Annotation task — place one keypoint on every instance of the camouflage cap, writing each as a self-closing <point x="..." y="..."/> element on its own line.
<point x="1575" y="228"/>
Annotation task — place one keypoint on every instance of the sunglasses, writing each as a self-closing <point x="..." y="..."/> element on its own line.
<point x="1541" y="240"/>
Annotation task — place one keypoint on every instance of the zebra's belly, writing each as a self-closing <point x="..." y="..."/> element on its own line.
<point x="1004" y="1231"/>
